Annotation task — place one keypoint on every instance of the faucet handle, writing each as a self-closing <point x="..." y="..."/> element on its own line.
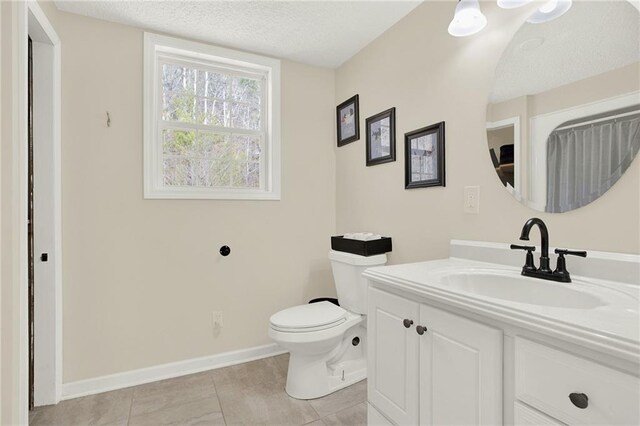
<point x="562" y="252"/>
<point x="527" y="248"/>
<point x="528" y="264"/>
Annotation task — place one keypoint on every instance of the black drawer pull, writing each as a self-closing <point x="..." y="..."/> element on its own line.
<point x="225" y="250"/>
<point x="421" y="329"/>
<point x="580" y="400"/>
<point x="407" y="323"/>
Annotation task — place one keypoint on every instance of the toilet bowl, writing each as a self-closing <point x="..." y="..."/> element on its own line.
<point x="326" y="342"/>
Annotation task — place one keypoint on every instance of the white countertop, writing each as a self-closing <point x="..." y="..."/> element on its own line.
<point x="613" y="327"/>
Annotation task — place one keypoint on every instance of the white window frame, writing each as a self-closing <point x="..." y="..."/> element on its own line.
<point x="156" y="49"/>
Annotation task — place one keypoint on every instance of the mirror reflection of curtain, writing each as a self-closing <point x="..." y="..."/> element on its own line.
<point x="584" y="161"/>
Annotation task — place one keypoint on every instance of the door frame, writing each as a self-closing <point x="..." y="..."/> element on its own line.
<point x="31" y="20"/>
<point x="517" y="164"/>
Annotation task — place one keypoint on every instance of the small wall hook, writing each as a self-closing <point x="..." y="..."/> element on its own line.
<point x="108" y="119"/>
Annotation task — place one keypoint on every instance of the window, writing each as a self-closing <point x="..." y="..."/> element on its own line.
<point x="211" y="122"/>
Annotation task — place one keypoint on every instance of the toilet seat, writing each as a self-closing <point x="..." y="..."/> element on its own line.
<point x="308" y="318"/>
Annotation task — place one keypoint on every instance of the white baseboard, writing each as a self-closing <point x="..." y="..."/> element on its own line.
<point x="166" y="371"/>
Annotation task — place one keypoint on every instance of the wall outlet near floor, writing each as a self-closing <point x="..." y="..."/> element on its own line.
<point x="217" y="320"/>
<point x="472" y="199"/>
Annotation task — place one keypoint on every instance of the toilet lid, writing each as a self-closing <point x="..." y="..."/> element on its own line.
<point x="308" y="316"/>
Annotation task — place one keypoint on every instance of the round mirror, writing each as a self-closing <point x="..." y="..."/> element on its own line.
<point x="563" y="120"/>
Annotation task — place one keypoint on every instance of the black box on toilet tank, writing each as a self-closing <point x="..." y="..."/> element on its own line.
<point x="362" y="248"/>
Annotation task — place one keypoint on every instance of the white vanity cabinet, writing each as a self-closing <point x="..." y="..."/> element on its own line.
<point x="393" y="356"/>
<point x="449" y="374"/>
<point x="462" y="341"/>
<point x="546" y="377"/>
<point x="461" y="371"/>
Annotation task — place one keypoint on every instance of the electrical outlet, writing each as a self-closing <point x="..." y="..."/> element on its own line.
<point x="217" y="320"/>
<point x="472" y="199"/>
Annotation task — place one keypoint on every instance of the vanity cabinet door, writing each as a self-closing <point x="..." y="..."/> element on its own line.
<point x="460" y="370"/>
<point x="393" y="356"/>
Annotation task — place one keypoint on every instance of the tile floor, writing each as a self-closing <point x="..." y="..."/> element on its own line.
<point x="245" y="394"/>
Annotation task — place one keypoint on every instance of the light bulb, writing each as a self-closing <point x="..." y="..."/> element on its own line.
<point x="468" y="19"/>
<point x="549" y="11"/>
<point x="512" y="4"/>
<point x="548" y="6"/>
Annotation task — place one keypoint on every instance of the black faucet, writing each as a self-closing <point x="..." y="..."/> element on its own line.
<point x="544" y="241"/>
<point x="544" y="271"/>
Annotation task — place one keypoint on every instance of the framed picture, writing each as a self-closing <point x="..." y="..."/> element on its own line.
<point x="348" y="121"/>
<point x="381" y="137"/>
<point x="424" y="157"/>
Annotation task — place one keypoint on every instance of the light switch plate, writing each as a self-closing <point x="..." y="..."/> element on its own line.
<point x="472" y="199"/>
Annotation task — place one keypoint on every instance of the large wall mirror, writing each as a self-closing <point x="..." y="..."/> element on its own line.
<point x="563" y="120"/>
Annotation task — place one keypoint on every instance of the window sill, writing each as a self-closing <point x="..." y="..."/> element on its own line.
<point x="208" y="194"/>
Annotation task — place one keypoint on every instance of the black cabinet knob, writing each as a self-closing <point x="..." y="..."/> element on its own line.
<point x="407" y="323"/>
<point x="225" y="250"/>
<point x="44" y="257"/>
<point x="580" y="400"/>
<point x="421" y="329"/>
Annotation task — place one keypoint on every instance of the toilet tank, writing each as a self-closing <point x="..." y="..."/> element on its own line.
<point x="351" y="286"/>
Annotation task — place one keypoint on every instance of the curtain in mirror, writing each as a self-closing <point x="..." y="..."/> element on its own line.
<point x="584" y="161"/>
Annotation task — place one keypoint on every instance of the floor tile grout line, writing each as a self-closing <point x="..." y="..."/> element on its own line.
<point x="215" y="388"/>
<point x="130" y="407"/>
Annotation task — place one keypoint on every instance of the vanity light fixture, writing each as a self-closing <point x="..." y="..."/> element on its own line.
<point x="549" y="11"/>
<point x="468" y="19"/>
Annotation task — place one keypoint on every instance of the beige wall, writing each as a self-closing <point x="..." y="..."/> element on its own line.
<point x="142" y="277"/>
<point x="430" y="76"/>
<point x="603" y="86"/>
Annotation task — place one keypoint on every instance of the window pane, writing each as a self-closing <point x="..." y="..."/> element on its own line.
<point x="181" y="106"/>
<point x="215" y="85"/>
<point x="220" y="172"/>
<point x="192" y="95"/>
<point x="253" y="175"/>
<point x="209" y="159"/>
<point x="213" y="145"/>
<point x="179" y="142"/>
<point x="178" y="172"/>
<point x="246" y="147"/>
<point x="217" y="113"/>
<point x="176" y="78"/>
<point x="246" y="90"/>
<point x="245" y="116"/>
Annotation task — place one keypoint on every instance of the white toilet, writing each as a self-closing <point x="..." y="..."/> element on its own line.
<point x="327" y="343"/>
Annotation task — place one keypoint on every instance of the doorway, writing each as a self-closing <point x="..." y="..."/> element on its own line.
<point x="42" y="372"/>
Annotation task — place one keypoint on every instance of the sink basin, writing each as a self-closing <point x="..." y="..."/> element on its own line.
<point x="519" y="289"/>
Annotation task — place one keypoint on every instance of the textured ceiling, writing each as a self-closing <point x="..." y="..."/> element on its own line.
<point x="591" y="38"/>
<point x="324" y="33"/>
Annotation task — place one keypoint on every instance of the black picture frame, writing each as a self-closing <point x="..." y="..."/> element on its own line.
<point x="371" y="137"/>
<point x="354" y="113"/>
<point x="410" y="180"/>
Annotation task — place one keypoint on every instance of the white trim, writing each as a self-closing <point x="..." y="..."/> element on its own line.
<point x="517" y="145"/>
<point x="167" y="371"/>
<point x="156" y="47"/>
<point x="20" y="158"/>
<point x="541" y="126"/>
